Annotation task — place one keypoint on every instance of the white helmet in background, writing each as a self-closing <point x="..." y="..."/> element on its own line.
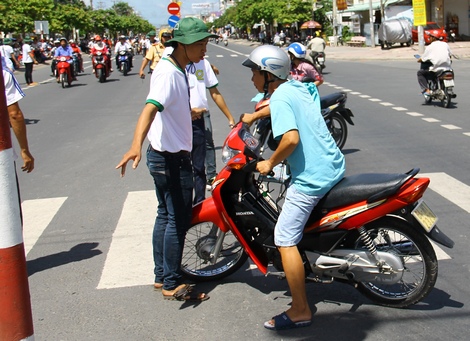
<point x="270" y="59"/>
<point x="298" y="50"/>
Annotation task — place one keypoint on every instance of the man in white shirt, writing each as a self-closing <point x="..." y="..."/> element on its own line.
<point x="438" y="54"/>
<point x="201" y="78"/>
<point x="7" y="51"/>
<point x="123" y="45"/>
<point x="166" y="121"/>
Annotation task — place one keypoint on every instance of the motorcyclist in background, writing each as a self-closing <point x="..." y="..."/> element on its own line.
<point x="78" y="51"/>
<point x="64" y="50"/>
<point x="301" y="67"/>
<point x="122" y="45"/>
<point x="436" y="57"/>
<point x="316" y="45"/>
<point x="100" y="46"/>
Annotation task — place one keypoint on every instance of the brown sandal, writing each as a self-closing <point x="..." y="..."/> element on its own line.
<point x="186" y="294"/>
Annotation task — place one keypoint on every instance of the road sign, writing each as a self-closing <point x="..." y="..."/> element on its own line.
<point x="173" y="8"/>
<point x="172" y="20"/>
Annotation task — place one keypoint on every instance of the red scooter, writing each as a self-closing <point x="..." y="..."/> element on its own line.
<point x="100" y="65"/>
<point x="63" y="70"/>
<point x="370" y="230"/>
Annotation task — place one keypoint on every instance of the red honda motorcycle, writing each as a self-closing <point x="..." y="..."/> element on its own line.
<point x="370" y="230"/>
<point x="100" y="65"/>
<point x="63" y="70"/>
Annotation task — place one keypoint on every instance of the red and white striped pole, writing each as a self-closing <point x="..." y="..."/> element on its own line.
<point x="16" y="320"/>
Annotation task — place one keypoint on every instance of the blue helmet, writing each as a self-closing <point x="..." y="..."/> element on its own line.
<point x="298" y="50"/>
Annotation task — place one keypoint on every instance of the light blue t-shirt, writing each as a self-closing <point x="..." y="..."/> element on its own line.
<point x="316" y="163"/>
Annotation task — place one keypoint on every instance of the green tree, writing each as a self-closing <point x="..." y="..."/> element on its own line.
<point x="19" y="15"/>
<point x="68" y="17"/>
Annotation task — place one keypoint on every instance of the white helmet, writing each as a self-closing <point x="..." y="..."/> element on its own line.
<point x="271" y="59"/>
<point x="298" y="50"/>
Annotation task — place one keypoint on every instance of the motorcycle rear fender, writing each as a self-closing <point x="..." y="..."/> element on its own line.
<point x="347" y="114"/>
<point x="435" y="234"/>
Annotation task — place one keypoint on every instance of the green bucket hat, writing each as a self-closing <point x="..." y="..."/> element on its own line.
<point x="189" y="30"/>
<point x="7" y="41"/>
<point x="28" y="40"/>
<point x="151" y="33"/>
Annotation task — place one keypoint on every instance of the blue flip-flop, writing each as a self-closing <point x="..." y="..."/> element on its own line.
<point x="282" y="322"/>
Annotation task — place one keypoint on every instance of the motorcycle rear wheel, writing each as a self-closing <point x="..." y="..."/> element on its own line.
<point x="338" y="129"/>
<point x="419" y="261"/>
<point x="199" y="244"/>
<point x="447" y="99"/>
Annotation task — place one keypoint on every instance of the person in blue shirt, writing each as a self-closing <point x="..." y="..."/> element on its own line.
<point x="315" y="162"/>
<point x="64" y="50"/>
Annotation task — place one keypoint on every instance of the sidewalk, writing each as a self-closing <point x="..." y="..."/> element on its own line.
<point x="460" y="48"/>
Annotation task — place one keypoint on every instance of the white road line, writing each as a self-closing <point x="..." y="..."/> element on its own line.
<point x="129" y="261"/>
<point x="399" y="109"/>
<point x="450" y="188"/>
<point x="416" y="114"/>
<point x="450" y="126"/>
<point x="37" y="215"/>
<point x="374" y="99"/>
<point x="386" y="104"/>
<point x="430" y="120"/>
<point x="347" y="90"/>
<point x="339" y="87"/>
<point x="468" y="134"/>
<point x="219" y="55"/>
<point x="355" y="93"/>
<point x="234" y="55"/>
<point x="364" y="96"/>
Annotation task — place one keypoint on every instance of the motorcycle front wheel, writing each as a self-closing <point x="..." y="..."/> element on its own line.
<point x="198" y="250"/>
<point x="418" y="258"/>
<point x="101" y="75"/>
<point x="338" y="129"/>
<point x="124" y="69"/>
<point x="62" y="80"/>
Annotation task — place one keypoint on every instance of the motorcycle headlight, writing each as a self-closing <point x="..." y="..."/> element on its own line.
<point x="228" y="153"/>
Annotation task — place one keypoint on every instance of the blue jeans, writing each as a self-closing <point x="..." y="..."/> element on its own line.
<point x="211" y="170"/>
<point x="173" y="177"/>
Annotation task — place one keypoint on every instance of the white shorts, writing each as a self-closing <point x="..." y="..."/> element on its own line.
<point x="295" y="213"/>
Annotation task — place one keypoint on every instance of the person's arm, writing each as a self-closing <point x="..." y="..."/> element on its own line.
<point x="220" y="101"/>
<point x="289" y="142"/>
<point x="250" y="118"/>
<point x="140" y="133"/>
<point x="31" y="54"/>
<point x="19" y="128"/>
<point x="12" y="56"/>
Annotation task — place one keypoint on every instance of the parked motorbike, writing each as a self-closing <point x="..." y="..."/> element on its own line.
<point x="100" y="65"/>
<point x="441" y="85"/>
<point x="123" y="61"/>
<point x="370" y="230"/>
<point x="63" y="71"/>
<point x="334" y="112"/>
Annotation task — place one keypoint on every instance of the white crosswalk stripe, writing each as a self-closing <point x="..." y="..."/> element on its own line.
<point x="129" y="260"/>
<point x="37" y="214"/>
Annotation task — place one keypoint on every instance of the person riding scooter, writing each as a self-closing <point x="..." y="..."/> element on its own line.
<point x="436" y="57"/>
<point x="64" y="50"/>
<point x="123" y="45"/>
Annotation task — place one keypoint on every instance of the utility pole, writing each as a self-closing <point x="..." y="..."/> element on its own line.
<point x="371" y="20"/>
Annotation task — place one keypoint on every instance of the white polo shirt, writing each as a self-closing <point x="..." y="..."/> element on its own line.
<point x="201" y="77"/>
<point x="171" y="130"/>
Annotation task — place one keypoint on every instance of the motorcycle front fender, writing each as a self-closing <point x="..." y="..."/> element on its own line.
<point x="207" y="211"/>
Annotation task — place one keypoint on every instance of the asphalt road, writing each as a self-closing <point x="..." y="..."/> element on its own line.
<point x="88" y="232"/>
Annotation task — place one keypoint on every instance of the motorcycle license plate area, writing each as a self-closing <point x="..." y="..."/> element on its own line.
<point x="321" y="59"/>
<point x="425" y="216"/>
<point x="448" y="83"/>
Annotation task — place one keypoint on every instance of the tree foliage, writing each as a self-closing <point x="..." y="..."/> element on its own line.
<point x="18" y="16"/>
<point x="246" y="13"/>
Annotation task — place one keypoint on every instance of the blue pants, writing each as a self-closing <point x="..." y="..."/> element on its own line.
<point x="211" y="170"/>
<point x="198" y="155"/>
<point x="173" y="177"/>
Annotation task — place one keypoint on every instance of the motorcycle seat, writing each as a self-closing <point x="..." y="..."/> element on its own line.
<point x="370" y="187"/>
<point x="328" y="100"/>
